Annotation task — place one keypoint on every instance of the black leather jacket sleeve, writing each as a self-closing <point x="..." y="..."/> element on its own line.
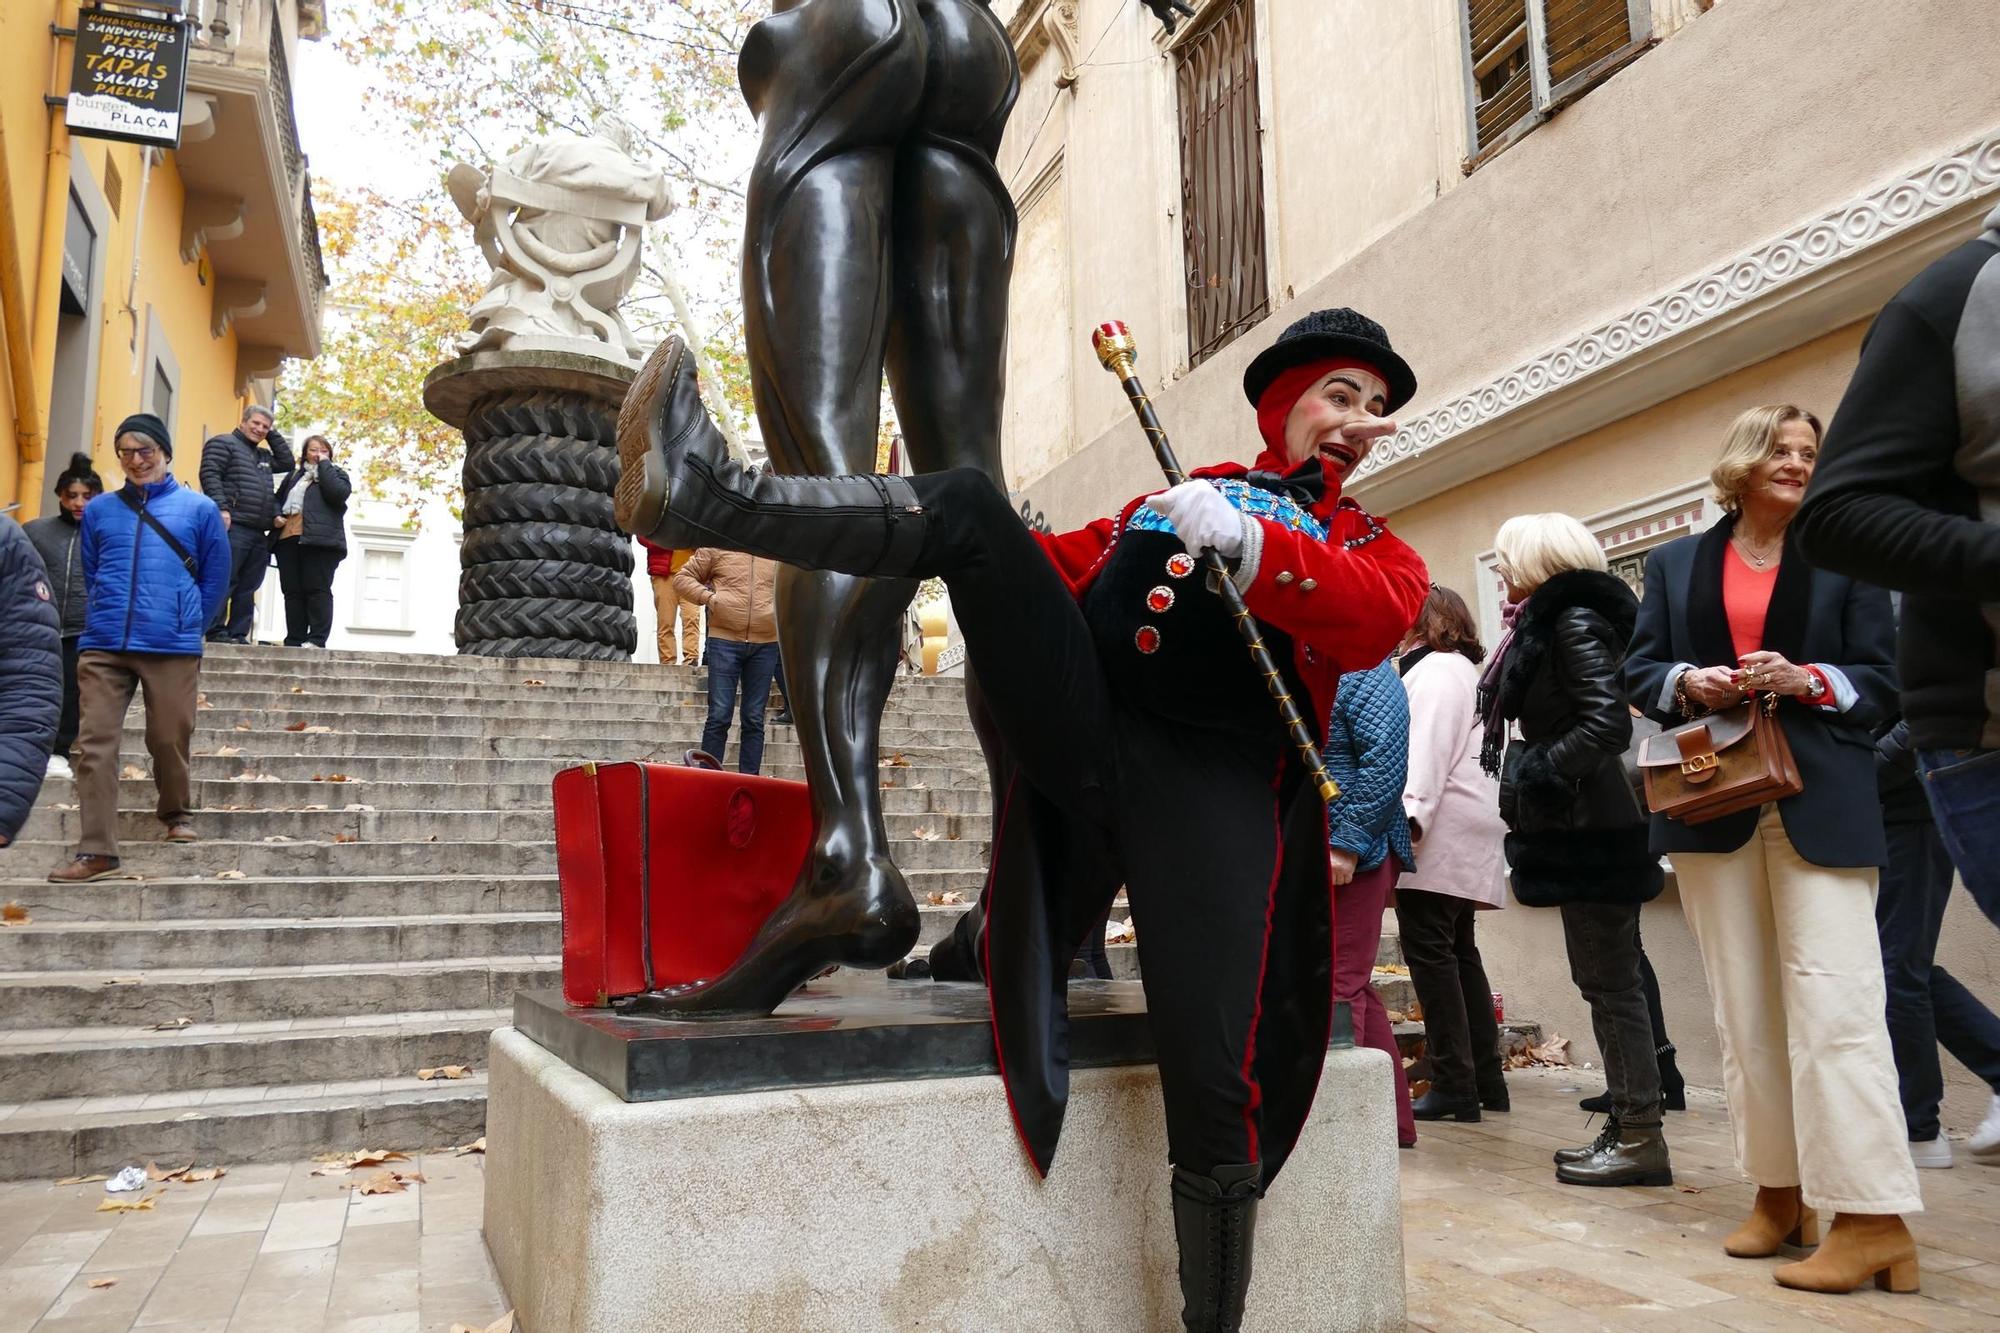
<point x="1588" y="661"/>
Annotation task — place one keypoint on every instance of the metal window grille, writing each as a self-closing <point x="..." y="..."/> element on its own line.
<point x="1222" y="180"/>
<point x="1524" y="59"/>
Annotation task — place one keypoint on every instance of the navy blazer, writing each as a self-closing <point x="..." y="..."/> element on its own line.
<point x="1815" y="617"/>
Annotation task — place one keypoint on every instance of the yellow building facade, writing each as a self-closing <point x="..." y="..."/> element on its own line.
<point x="174" y="281"/>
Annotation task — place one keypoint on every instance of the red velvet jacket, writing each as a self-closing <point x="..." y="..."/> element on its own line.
<point x="1346" y="602"/>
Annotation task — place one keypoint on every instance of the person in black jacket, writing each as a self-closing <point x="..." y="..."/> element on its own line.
<point x="58" y="538"/>
<point x="1781" y="900"/>
<point x="311" y="534"/>
<point x="30" y="677"/>
<point x="237" y="472"/>
<point x="1576" y="839"/>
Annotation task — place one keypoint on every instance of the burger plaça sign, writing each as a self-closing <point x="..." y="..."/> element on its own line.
<point x="129" y="77"/>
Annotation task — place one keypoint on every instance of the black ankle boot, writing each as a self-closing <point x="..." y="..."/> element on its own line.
<point x="1636" y="1154"/>
<point x="1434" y="1105"/>
<point x="1215" y="1225"/>
<point x="1673" y="1088"/>
<point x="678" y="487"/>
<point x="1598" y="1105"/>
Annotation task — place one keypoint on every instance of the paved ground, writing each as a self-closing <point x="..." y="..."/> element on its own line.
<point x="1492" y="1243"/>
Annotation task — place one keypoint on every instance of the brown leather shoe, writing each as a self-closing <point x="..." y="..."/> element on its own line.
<point x="1858" y="1246"/>
<point x="182" y="832"/>
<point x="85" y="867"/>
<point x="1779" y="1217"/>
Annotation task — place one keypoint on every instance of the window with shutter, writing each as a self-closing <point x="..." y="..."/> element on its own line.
<point x="1525" y="59"/>
<point x="1222" y="179"/>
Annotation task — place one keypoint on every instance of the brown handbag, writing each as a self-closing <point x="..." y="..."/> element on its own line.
<point x="1734" y="760"/>
<point x="290" y="525"/>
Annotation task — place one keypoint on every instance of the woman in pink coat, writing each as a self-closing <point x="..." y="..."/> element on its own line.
<point x="1454" y="811"/>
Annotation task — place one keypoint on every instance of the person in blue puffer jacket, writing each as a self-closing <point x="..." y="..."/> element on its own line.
<point x="1368" y="844"/>
<point x="30" y="676"/>
<point x="157" y="562"/>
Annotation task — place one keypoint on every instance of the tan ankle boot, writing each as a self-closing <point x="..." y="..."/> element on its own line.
<point x="1779" y="1217"/>
<point x="1858" y="1246"/>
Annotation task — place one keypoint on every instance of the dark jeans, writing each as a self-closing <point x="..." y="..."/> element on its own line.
<point x="1927" y="1005"/>
<point x="1603" y="944"/>
<point x="305" y="574"/>
<point x="730" y="664"/>
<point x="249" y="557"/>
<point x="1964" y="790"/>
<point x="66" y="727"/>
<point x="1450" y="981"/>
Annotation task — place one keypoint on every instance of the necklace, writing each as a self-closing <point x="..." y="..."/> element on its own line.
<point x="1758" y="560"/>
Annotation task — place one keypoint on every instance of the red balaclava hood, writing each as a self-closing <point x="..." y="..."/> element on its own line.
<point x="1274" y="408"/>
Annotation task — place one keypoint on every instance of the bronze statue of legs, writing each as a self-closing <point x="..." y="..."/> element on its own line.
<point x="878" y="231"/>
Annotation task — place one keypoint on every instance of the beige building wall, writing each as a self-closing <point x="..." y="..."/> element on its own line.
<point x="1710" y="228"/>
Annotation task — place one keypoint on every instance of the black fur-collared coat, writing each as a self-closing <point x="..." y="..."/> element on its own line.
<point x="1575" y="833"/>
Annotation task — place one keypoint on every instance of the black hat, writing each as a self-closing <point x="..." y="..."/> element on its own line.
<point x="145" y="423"/>
<point x="1332" y="333"/>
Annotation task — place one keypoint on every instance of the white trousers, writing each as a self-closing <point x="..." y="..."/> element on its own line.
<point x="1796" y="971"/>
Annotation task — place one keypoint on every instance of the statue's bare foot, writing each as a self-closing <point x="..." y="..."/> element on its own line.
<point x="855" y="915"/>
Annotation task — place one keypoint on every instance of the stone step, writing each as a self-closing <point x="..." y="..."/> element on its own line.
<point x="586" y="743"/>
<point x="273" y="941"/>
<point x="222" y="794"/>
<point x="267" y="995"/>
<point x="420" y="766"/>
<point x="343" y="859"/>
<point x="524" y="825"/>
<point x="287" y="897"/>
<point x="417" y="699"/>
<point x="41" y="1064"/>
<point x="240" y="1125"/>
<point x="267" y="664"/>
<point x="683" y="728"/>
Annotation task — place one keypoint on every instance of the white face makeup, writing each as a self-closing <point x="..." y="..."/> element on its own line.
<point x="1338" y="420"/>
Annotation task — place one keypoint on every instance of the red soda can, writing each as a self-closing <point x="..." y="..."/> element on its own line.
<point x="1499" y="1007"/>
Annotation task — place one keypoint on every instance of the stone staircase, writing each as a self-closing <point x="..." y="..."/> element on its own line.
<point x="363" y="904"/>
<point x="375" y="880"/>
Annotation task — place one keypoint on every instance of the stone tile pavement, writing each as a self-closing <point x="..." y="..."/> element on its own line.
<point x="1491" y="1242"/>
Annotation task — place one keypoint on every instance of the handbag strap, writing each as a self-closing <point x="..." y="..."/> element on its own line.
<point x="138" y="506"/>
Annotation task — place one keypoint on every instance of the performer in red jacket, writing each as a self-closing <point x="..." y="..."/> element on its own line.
<point x="1141" y="747"/>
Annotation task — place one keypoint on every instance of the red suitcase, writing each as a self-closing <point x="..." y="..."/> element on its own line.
<point x="667" y="872"/>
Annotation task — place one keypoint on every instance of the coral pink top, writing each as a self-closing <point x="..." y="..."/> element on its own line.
<point x="1746" y="598"/>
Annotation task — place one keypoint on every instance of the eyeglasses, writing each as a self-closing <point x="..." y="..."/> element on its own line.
<point x="139" y="455"/>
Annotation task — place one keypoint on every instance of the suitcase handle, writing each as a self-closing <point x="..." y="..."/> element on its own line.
<point x="701" y="759"/>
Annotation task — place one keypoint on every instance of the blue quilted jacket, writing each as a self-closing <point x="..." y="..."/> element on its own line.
<point x="30" y="675"/>
<point x="1368" y="754"/>
<point x="142" y="599"/>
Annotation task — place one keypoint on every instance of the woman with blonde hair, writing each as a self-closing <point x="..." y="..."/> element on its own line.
<point x="1781" y="900"/>
<point x="1576" y="838"/>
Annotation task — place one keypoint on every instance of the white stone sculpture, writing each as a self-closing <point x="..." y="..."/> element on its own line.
<point x="561" y="222"/>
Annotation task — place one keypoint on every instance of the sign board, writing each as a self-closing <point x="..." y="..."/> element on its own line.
<point x="129" y="78"/>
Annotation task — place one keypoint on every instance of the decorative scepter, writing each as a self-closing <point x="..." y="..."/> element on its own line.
<point x="1119" y="352"/>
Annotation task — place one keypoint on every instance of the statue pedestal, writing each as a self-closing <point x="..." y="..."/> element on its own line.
<point x="897" y="1203"/>
<point x="545" y="572"/>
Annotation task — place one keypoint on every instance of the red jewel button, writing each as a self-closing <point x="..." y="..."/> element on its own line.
<point x="1147" y="640"/>
<point x="1160" y="599"/>
<point x="1180" y="566"/>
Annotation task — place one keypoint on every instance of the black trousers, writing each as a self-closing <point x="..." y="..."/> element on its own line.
<point x="1213" y="834"/>
<point x="1450" y="980"/>
<point x="305" y="576"/>
<point x="67" y="725"/>
<point x="1602" y="940"/>
<point x="249" y="557"/>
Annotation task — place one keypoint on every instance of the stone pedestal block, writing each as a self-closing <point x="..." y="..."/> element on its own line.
<point x="544" y="569"/>
<point x="908" y="1205"/>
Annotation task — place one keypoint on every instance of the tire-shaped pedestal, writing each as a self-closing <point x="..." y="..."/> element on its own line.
<point x="544" y="570"/>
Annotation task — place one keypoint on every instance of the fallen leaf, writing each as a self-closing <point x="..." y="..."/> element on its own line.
<point x="444" y="1071"/>
<point x="82" y="1180"/>
<point x="478" y="1145"/>
<point x="203" y="1173"/>
<point x="1689" y="1189"/>
<point x="228" y="751"/>
<point x="156" y="1172"/>
<point x="1391" y="970"/>
<point x="100" y="1283"/>
<point x="298" y="689"/>
<point x="132" y="772"/>
<point x="336" y="777"/>
<point x="1119" y="932"/>
<point x="926" y="835"/>
<point x="144" y="1205"/>
<point x="244" y="726"/>
<point x="172" y="1025"/>
<point x="897" y="760"/>
<point x="1397" y="1016"/>
<point x="201" y="701"/>
<point x="317" y="730"/>
<point x="504" y="1324"/>
<point x="534" y="682"/>
<point x="345" y="837"/>
<point x="229" y="874"/>
<point x="15" y="915"/>
<point x="339" y="1163"/>
<point x="382" y="1182"/>
<point x="299" y="725"/>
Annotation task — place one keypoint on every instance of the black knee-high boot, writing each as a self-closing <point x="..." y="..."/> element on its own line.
<point x="1215" y="1225"/>
<point x="678" y="487"/>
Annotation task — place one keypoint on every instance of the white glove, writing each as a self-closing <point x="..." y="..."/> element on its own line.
<point x="1202" y="518"/>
